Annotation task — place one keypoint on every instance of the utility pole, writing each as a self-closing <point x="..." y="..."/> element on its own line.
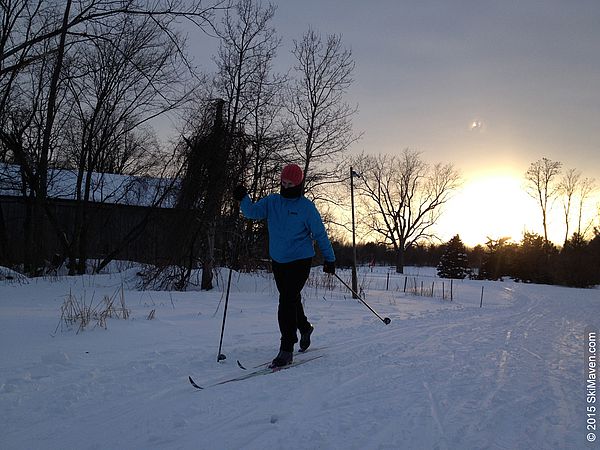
<point x="354" y="277"/>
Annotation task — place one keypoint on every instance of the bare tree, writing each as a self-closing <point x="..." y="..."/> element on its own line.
<point x="248" y="45"/>
<point x="321" y="119"/>
<point x="403" y="197"/>
<point x="252" y="91"/>
<point x="573" y="187"/>
<point x="567" y="186"/>
<point x="117" y="85"/>
<point x="19" y="25"/>
<point x="36" y="30"/>
<point x="29" y="23"/>
<point x="543" y="187"/>
<point x="47" y="34"/>
<point x="268" y="139"/>
<point x="27" y="98"/>
<point x="586" y="187"/>
<point x="203" y="188"/>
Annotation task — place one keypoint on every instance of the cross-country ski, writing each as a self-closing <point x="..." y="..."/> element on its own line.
<point x="299" y="354"/>
<point x="255" y="373"/>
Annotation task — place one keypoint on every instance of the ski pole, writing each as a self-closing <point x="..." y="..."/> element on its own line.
<point x="385" y="320"/>
<point x="234" y="256"/>
<point x="221" y="356"/>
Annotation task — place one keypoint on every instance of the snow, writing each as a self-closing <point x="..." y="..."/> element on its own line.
<point x="442" y="375"/>
<point x="105" y="188"/>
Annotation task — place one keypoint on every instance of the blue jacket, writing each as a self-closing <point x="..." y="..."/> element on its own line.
<point x="293" y="224"/>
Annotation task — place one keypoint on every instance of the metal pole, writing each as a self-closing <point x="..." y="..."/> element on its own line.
<point x="354" y="276"/>
<point x="234" y="256"/>
<point x="221" y="356"/>
<point x="385" y="320"/>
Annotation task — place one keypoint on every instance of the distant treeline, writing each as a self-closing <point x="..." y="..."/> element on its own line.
<point x="532" y="260"/>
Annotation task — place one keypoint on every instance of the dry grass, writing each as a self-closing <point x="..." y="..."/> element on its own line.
<point x="78" y="313"/>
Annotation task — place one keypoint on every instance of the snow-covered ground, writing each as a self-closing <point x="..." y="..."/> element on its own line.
<point x="442" y="375"/>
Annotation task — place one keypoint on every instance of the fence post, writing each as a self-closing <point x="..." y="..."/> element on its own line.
<point x="387" y="284"/>
<point x="451" y="289"/>
<point x="481" y="302"/>
<point x="405" y="280"/>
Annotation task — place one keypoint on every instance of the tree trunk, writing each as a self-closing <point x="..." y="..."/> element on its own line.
<point x="545" y="225"/>
<point x="83" y="246"/>
<point x="400" y="260"/>
<point x="209" y="260"/>
<point x="40" y="201"/>
<point x="220" y="144"/>
<point x="33" y="228"/>
<point x="4" y="253"/>
<point x="28" y="263"/>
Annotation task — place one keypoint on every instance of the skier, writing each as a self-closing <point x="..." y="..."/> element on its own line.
<point x="293" y="222"/>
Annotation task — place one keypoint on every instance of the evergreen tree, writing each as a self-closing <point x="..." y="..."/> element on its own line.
<point x="578" y="262"/>
<point x="534" y="260"/>
<point x="498" y="260"/>
<point x="453" y="263"/>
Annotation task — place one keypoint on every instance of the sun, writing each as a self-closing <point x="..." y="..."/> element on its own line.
<point x="491" y="205"/>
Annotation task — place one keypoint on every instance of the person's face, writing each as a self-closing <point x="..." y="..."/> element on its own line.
<point x="286" y="184"/>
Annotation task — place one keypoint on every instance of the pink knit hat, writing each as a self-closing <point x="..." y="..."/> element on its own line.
<point x="292" y="173"/>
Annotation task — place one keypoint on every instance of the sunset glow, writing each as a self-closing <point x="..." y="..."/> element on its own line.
<point x="491" y="205"/>
<point x="494" y="205"/>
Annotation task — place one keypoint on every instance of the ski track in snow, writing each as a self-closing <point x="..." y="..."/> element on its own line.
<point x="441" y="376"/>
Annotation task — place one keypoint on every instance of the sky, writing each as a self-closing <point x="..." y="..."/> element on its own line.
<point x="488" y="86"/>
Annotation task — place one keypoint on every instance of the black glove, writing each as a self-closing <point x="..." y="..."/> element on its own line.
<point x="240" y="192"/>
<point x="329" y="267"/>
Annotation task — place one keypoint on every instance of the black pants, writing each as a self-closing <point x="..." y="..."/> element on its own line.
<point x="290" y="278"/>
